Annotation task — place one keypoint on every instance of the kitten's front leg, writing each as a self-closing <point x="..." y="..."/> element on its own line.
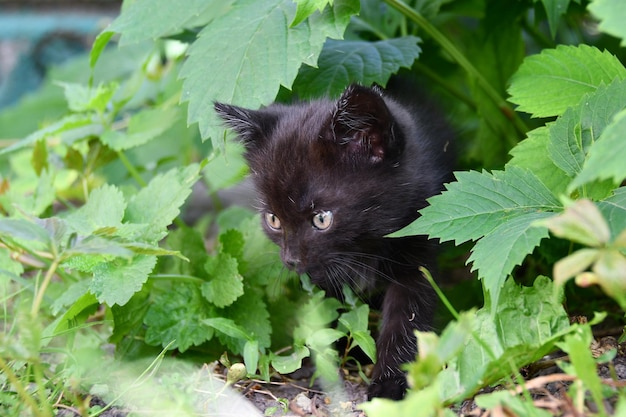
<point x="405" y="310"/>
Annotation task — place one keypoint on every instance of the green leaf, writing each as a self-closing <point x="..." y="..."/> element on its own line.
<point x="343" y="62"/>
<point x="156" y="205"/>
<point x="606" y="156"/>
<point x="532" y="154"/>
<point x="225" y="283"/>
<point x="152" y="19"/>
<point x="612" y="15"/>
<point x="226" y="168"/>
<point x="176" y="315"/>
<point x="510" y="404"/>
<point x="574" y="264"/>
<point x="578" y="128"/>
<point x="23" y="229"/>
<point x="115" y="282"/>
<point x="250" y="312"/>
<point x="548" y="83"/>
<point x="143" y="126"/>
<point x="288" y="364"/>
<point x="251" y="355"/>
<point x="554" y="10"/>
<point x="81" y="98"/>
<point x="495" y="255"/>
<point x="104" y="208"/>
<point x="264" y="54"/>
<point x="228" y="327"/>
<point x="614" y="211"/>
<point x="610" y="273"/>
<point x="101" y="41"/>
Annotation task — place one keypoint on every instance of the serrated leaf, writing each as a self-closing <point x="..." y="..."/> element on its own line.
<point x="104" y="208"/>
<point x="548" y="83"/>
<point x="263" y="52"/>
<point x="115" y="282"/>
<point x="250" y="312"/>
<point x="225" y="283"/>
<point x="613" y="210"/>
<point x="143" y="126"/>
<point x="612" y="15"/>
<point x="82" y="98"/>
<point x="495" y="255"/>
<point x="532" y="154"/>
<point x="606" y="156"/>
<point x="578" y="128"/>
<point x="177" y="316"/>
<point x="477" y="203"/>
<point x="151" y="19"/>
<point x="157" y="204"/>
<point x="343" y="62"/>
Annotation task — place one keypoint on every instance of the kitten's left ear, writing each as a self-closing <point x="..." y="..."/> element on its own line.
<point x="362" y="123"/>
<point x="252" y="126"/>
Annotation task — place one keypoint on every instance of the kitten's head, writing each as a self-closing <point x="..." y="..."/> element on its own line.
<point x="327" y="173"/>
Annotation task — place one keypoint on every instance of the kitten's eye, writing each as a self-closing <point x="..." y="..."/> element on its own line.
<point x="323" y="220"/>
<point x="272" y="221"/>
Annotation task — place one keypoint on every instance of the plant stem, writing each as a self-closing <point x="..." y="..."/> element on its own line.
<point x="458" y="56"/>
<point x="131" y="169"/>
<point x="440" y="293"/>
<point x="44" y="285"/>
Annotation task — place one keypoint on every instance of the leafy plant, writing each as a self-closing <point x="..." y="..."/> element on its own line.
<point x="97" y="166"/>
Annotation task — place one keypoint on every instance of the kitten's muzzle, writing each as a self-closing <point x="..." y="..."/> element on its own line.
<point x="292" y="262"/>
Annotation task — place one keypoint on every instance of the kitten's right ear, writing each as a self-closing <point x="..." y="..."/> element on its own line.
<point x="252" y="126"/>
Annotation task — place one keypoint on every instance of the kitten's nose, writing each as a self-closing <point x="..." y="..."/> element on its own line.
<point x="291" y="261"/>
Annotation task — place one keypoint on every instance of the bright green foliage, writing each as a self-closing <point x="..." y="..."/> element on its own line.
<point x="548" y="83"/>
<point x="263" y="48"/>
<point x="554" y="10"/>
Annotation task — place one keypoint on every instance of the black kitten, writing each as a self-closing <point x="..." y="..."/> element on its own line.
<point x="336" y="177"/>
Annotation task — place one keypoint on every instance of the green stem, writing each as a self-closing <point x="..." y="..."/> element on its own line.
<point x="458" y="56"/>
<point x="19" y="387"/>
<point x="44" y="285"/>
<point x="440" y="293"/>
<point x="131" y="168"/>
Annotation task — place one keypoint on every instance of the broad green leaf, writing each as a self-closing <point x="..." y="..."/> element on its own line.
<point x="151" y="19"/>
<point x="156" y="205"/>
<point x="115" y="282"/>
<point x="554" y="10"/>
<point x="323" y="338"/>
<point x="606" y="156"/>
<point x="23" y="229"/>
<point x="527" y="323"/>
<point x="612" y="15"/>
<point x="224" y="284"/>
<point x="189" y="243"/>
<point x="548" y="83"/>
<point x="248" y="65"/>
<point x="176" y="315"/>
<point x="251" y="355"/>
<point x="143" y="126"/>
<point x="78" y="312"/>
<point x="104" y="208"/>
<point x="532" y="154"/>
<point x="128" y="319"/>
<point x="308" y="7"/>
<point x="101" y="41"/>
<point x="477" y="203"/>
<point x="579" y="127"/>
<point x="500" y="209"/>
<point x="495" y="255"/>
<point x="366" y="342"/>
<point x="343" y="62"/>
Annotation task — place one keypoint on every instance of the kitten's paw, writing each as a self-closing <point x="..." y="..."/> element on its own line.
<point x="393" y="387"/>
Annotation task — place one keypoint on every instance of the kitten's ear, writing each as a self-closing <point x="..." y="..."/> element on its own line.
<point x="362" y="123"/>
<point x="252" y="126"/>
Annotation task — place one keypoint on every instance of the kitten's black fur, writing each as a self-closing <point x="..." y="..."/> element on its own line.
<point x="371" y="161"/>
